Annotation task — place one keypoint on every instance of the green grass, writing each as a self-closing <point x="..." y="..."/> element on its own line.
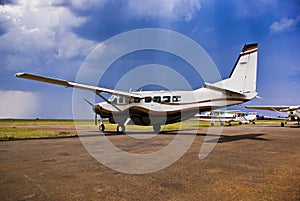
<point x="18" y="129"/>
<point x="35" y="122"/>
<point x="13" y="133"/>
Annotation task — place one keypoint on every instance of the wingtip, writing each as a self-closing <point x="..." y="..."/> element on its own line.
<point x="19" y="74"/>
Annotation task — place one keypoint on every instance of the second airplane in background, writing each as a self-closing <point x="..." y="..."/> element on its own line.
<point x="226" y="116"/>
<point x="293" y="112"/>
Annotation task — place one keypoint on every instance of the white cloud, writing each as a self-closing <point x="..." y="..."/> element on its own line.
<point x="40" y="32"/>
<point x="284" y="24"/>
<point x="183" y="10"/>
<point x="87" y="4"/>
<point x="18" y="104"/>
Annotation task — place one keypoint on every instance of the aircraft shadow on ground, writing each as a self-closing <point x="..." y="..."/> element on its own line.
<point x="218" y="138"/>
<point x="225" y="138"/>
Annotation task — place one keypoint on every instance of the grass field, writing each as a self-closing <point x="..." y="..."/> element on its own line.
<point x="28" y="129"/>
<point x="13" y="133"/>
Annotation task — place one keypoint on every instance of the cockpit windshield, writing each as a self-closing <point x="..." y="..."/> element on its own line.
<point x="112" y="98"/>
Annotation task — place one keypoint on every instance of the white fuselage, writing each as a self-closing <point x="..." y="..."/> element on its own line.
<point x="294" y="115"/>
<point x="165" y="107"/>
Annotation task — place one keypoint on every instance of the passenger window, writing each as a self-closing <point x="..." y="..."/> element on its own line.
<point x="136" y="100"/>
<point x="157" y="99"/>
<point x="121" y="100"/>
<point x="166" y="99"/>
<point x="176" y="99"/>
<point x="148" y="99"/>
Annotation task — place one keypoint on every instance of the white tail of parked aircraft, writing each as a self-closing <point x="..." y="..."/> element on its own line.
<point x="158" y="108"/>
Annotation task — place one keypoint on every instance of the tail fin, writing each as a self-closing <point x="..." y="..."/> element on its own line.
<point x="243" y="76"/>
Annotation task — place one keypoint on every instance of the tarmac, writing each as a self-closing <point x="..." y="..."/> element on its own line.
<point x="251" y="162"/>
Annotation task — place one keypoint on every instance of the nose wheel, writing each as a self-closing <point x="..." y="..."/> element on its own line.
<point x="101" y="127"/>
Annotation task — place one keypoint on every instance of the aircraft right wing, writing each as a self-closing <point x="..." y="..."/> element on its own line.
<point x="66" y="83"/>
<point x="282" y="108"/>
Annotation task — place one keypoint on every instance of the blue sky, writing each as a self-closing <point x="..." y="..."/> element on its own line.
<point x="53" y="38"/>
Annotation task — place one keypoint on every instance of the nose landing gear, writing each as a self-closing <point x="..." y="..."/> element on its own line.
<point x="101" y="127"/>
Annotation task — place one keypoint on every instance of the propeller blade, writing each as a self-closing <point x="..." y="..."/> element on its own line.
<point x="93" y="106"/>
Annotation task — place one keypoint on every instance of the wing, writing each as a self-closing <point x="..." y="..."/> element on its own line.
<point x="268" y="107"/>
<point x="66" y="83"/>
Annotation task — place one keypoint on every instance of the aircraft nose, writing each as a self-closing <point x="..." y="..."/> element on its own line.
<point x="97" y="109"/>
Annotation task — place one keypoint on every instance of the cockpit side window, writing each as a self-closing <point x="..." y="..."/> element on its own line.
<point x="127" y="99"/>
<point x="113" y="99"/>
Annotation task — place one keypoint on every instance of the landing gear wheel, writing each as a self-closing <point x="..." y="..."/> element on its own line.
<point x="212" y="124"/>
<point x="156" y="128"/>
<point x="102" y="128"/>
<point x="121" y="129"/>
<point x="282" y="124"/>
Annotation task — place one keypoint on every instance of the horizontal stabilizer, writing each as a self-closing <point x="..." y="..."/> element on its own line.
<point x="212" y="86"/>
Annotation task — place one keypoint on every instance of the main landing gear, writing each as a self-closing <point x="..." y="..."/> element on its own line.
<point x="120" y="129"/>
<point x="156" y="128"/>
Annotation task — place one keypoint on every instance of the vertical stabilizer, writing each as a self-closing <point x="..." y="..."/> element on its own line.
<point x="243" y="76"/>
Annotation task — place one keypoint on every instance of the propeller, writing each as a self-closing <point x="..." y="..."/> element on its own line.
<point x="93" y="106"/>
<point x="96" y="121"/>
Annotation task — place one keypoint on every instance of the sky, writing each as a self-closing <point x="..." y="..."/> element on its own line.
<point x="54" y="37"/>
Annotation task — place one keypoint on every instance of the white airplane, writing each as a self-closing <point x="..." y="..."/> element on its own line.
<point x="156" y="108"/>
<point x="293" y="112"/>
<point x="226" y="116"/>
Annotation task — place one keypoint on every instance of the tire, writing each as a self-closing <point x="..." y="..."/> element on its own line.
<point x="282" y="124"/>
<point x="101" y="128"/>
<point x="121" y="129"/>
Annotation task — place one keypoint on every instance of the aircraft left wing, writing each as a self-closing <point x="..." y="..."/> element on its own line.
<point x="66" y="83"/>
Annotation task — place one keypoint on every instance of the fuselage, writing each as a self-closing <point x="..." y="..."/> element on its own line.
<point x="294" y="115"/>
<point x="166" y="107"/>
